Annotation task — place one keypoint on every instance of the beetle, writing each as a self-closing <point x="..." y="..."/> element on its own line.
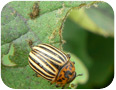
<point x="52" y="64"/>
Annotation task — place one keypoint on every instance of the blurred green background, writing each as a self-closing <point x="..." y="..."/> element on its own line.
<point x="95" y="50"/>
<point x="88" y="31"/>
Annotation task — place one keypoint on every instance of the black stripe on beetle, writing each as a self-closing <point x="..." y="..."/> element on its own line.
<point x="48" y="56"/>
<point x="52" y="53"/>
<point x="43" y="74"/>
<point x="41" y="67"/>
<point x="37" y="53"/>
<point x="54" y="64"/>
<point x="56" y="50"/>
<point x="38" y="73"/>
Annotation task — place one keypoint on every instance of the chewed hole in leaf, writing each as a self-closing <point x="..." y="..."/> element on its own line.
<point x="6" y="60"/>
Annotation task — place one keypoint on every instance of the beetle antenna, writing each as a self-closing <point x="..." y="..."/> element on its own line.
<point x="79" y="75"/>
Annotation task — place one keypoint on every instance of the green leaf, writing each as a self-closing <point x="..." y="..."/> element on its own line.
<point x="98" y="19"/>
<point x="18" y="28"/>
<point x="80" y="69"/>
<point x="94" y="51"/>
<point x="101" y="50"/>
<point x="23" y="77"/>
<point x="25" y="7"/>
<point x="76" y="41"/>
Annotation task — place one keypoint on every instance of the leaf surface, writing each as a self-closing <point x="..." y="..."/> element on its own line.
<point x="18" y="29"/>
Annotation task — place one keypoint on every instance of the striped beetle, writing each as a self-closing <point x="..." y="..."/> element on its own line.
<point x="52" y="64"/>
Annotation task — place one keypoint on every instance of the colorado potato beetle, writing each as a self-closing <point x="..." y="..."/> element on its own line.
<point x="52" y="64"/>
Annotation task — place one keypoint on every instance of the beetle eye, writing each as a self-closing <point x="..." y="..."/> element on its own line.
<point x="73" y="62"/>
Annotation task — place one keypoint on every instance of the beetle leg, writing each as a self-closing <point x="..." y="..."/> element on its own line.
<point x="63" y="87"/>
<point x="72" y="85"/>
<point x="51" y="83"/>
<point x="68" y="55"/>
<point x="57" y="85"/>
<point x="36" y="75"/>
